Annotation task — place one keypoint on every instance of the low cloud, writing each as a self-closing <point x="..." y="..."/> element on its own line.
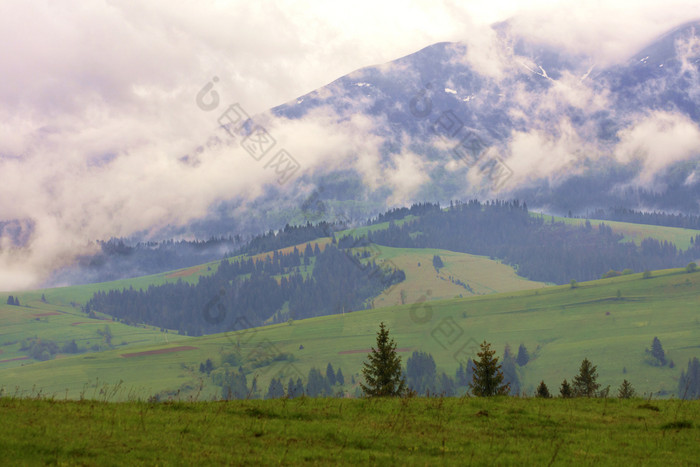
<point x="102" y="137"/>
<point x="656" y="141"/>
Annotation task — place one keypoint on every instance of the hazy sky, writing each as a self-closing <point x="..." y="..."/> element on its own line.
<point x="97" y="98"/>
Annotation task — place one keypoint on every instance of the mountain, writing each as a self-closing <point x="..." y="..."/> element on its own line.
<point x="526" y="120"/>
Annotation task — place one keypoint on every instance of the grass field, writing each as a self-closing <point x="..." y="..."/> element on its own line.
<point x="559" y="325"/>
<point x="481" y="274"/>
<point x="466" y="431"/>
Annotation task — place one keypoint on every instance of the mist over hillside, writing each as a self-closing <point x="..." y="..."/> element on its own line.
<point x="510" y="116"/>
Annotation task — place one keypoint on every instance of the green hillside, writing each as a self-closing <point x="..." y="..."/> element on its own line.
<point x="609" y="321"/>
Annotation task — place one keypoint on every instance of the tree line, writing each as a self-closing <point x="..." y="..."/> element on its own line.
<point x="539" y="249"/>
<point x="249" y="293"/>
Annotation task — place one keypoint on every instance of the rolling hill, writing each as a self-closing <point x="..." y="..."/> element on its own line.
<point x="610" y="321"/>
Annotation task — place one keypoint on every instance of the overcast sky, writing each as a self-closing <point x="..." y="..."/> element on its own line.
<point x="97" y="98"/>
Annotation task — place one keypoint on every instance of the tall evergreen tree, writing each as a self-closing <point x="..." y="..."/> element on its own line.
<point x="565" y="390"/>
<point x="543" y="391"/>
<point x="339" y="377"/>
<point x="275" y="390"/>
<point x="626" y="390"/>
<point x="421" y="373"/>
<point x="689" y="382"/>
<point x="523" y="355"/>
<point x="316" y="384"/>
<point x="383" y="376"/>
<point x="657" y="351"/>
<point x="291" y="393"/>
<point x="585" y="383"/>
<point x="510" y="372"/>
<point x="487" y="377"/>
<point x="330" y="374"/>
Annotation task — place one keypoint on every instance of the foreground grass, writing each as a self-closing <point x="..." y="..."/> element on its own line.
<point x="342" y="431"/>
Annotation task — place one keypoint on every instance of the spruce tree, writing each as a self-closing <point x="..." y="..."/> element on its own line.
<point x="330" y="374"/>
<point x="543" y="391"/>
<point x="523" y="355"/>
<point x="657" y="351"/>
<point x="626" y="390"/>
<point x="488" y="377"/>
<point x="565" y="390"/>
<point x="339" y="378"/>
<point x="510" y="372"/>
<point x="382" y="373"/>
<point x="689" y="382"/>
<point x="291" y="393"/>
<point x="585" y="383"/>
<point x="275" y="390"/>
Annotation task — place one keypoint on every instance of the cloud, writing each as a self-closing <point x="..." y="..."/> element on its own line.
<point x="102" y="137"/>
<point x="657" y="141"/>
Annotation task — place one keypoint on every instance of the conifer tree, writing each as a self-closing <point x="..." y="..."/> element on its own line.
<point x="275" y="390"/>
<point x="657" y="351"/>
<point x="543" y="391"/>
<point x="523" y="355"/>
<point x="383" y="376"/>
<point x="626" y="390"/>
<point x="565" y="390"/>
<point x="689" y="382"/>
<point x="339" y="378"/>
<point x="291" y="389"/>
<point x="487" y="377"/>
<point x="585" y="383"/>
<point x="330" y="374"/>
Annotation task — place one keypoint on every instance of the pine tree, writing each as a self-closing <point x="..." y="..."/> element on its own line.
<point x="585" y="383"/>
<point x="330" y="374"/>
<point x="340" y="379"/>
<point x="317" y="384"/>
<point x="523" y="355"/>
<point x="421" y="373"/>
<point x="689" y="382"/>
<point x="299" y="388"/>
<point x="543" y="391"/>
<point x="291" y="393"/>
<point x="382" y="373"/>
<point x="487" y="377"/>
<point x="510" y="372"/>
<point x="626" y="390"/>
<point x="657" y="351"/>
<point x="565" y="390"/>
<point x="275" y="390"/>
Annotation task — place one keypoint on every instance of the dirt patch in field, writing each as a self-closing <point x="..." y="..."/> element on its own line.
<point x="186" y="272"/>
<point x="14" y="359"/>
<point x="343" y="352"/>
<point x="48" y="313"/>
<point x="159" y="351"/>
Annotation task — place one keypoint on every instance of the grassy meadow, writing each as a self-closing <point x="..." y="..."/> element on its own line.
<point x="450" y="431"/>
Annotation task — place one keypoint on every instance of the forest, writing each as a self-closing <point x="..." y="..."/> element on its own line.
<point x="539" y="249"/>
<point x="248" y="293"/>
